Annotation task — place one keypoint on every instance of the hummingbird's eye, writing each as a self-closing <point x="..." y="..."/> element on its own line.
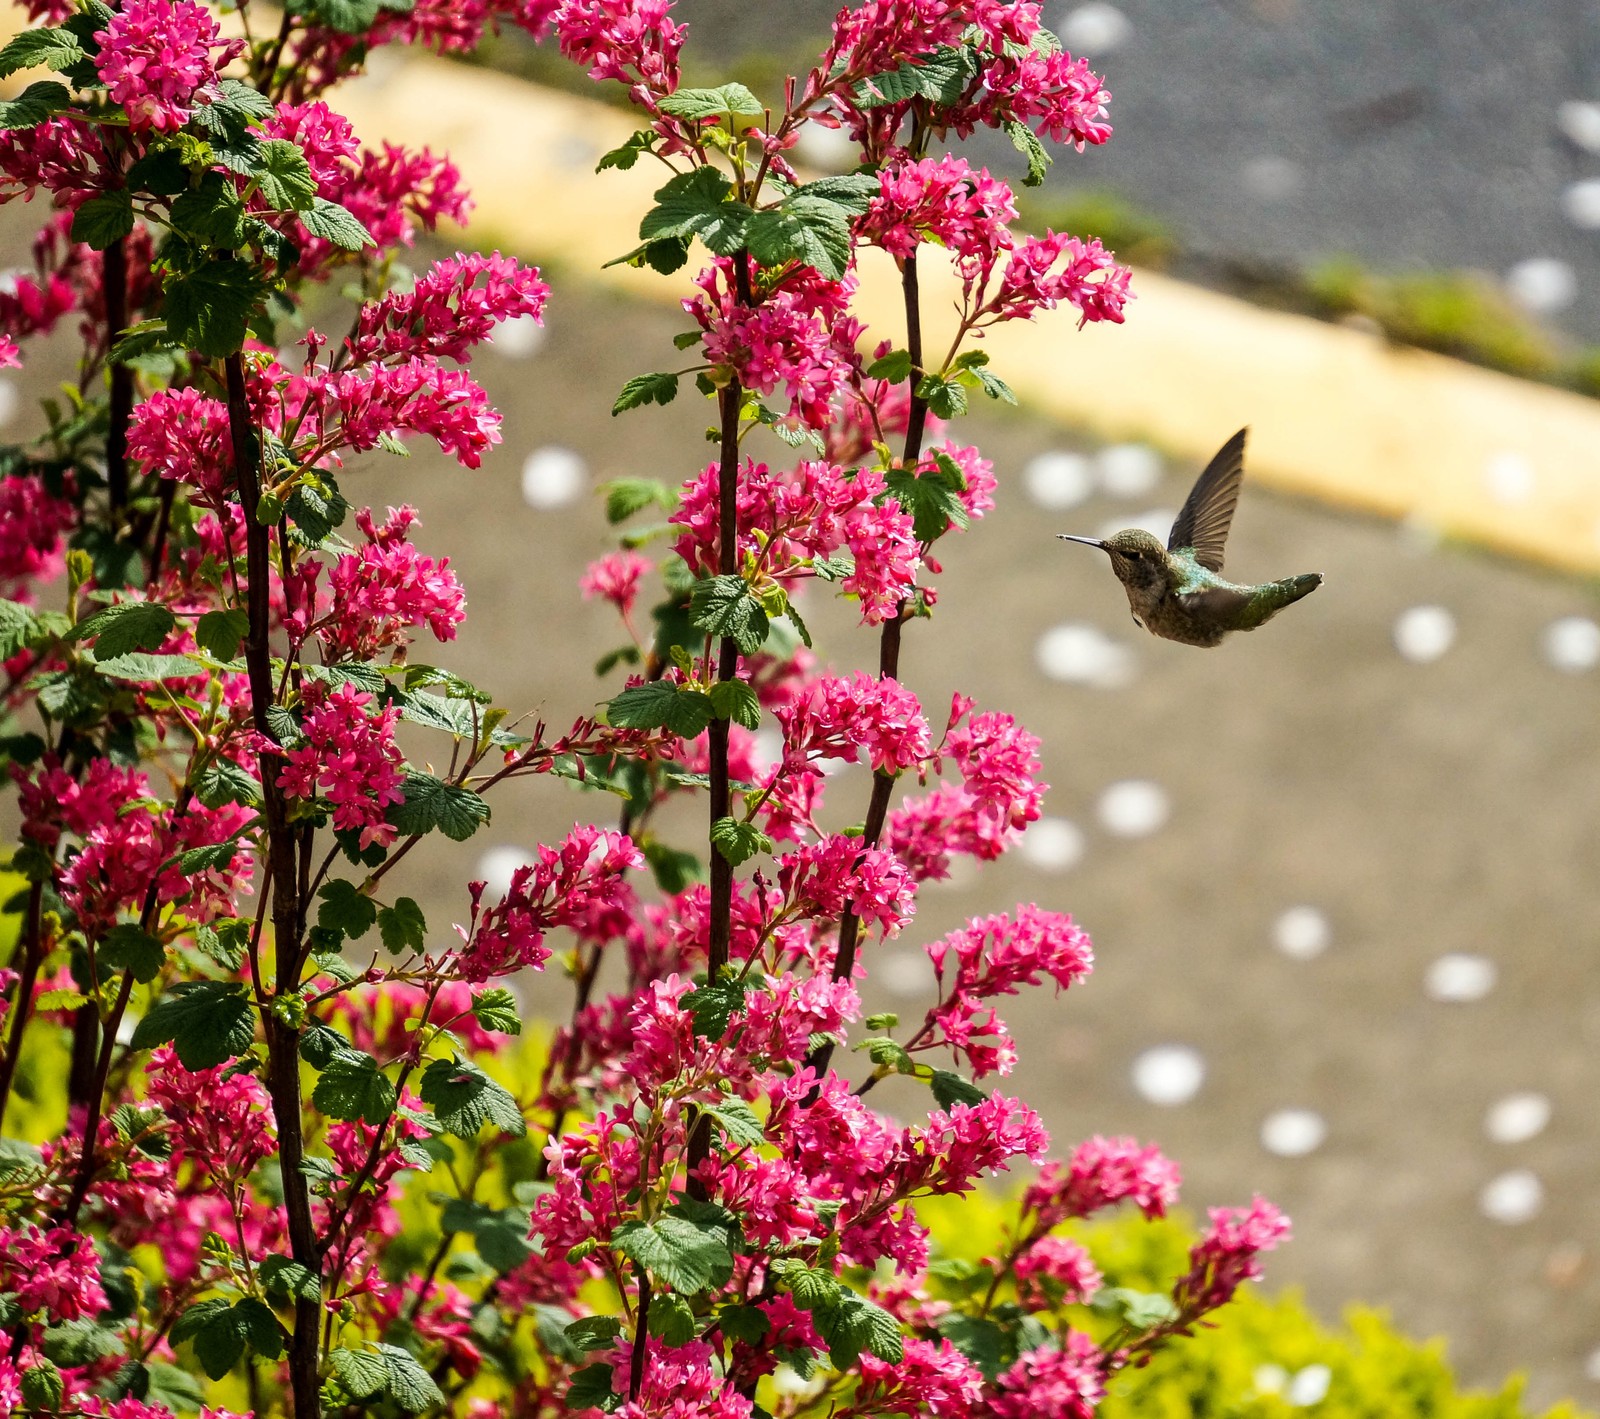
<point x="1131" y="555"/>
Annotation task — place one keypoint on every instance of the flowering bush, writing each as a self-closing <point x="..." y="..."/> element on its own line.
<point x="294" y="1174"/>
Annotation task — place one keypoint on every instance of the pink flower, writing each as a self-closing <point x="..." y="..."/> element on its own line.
<point x="567" y="886"/>
<point x="840" y="874"/>
<point x="32" y="521"/>
<point x="455" y="305"/>
<point x="183" y="435"/>
<point x="56" y="1272"/>
<point x="1226" y="1256"/>
<point x="385" y="589"/>
<point x="1102" y="1172"/>
<point x="941" y="200"/>
<point x="1068" y="1383"/>
<point x="615" y="578"/>
<point x="1055" y="1272"/>
<point x="841" y="716"/>
<point x="1032" y="281"/>
<point x="156" y="57"/>
<point x="356" y="408"/>
<point x="221" y="1121"/>
<point x="349" y="757"/>
<point x="933" y="1379"/>
<point x="631" y="41"/>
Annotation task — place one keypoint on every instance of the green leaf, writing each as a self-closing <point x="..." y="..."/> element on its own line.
<point x="284" y="176"/>
<point x="593" y="1332"/>
<point x="212" y="214"/>
<point x="496" y="1009"/>
<point x="687" y="1257"/>
<point x="696" y="203"/>
<point x="212" y="857"/>
<point x="465" y="1098"/>
<point x="409" y="1385"/>
<point x="104" y="219"/>
<point x="238" y="100"/>
<point x="951" y="1089"/>
<point x="17" y="624"/>
<point x="220" y="1332"/>
<point x="42" y="1385"/>
<point x="341" y="906"/>
<point x="208" y="309"/>
<point x="712" y="1005"/>
<point x="127" y="626"/>
<point x="660" y="705"/>
<point x="727" y="103"/>
<point x="941" y="77"/>
<point x="671" y="1319"/>
<point x="1142" y="1310"/>
<point x="888" y="1054"/>
<point x="660" y="388"/>
<point x="282" y="1277"/>
<point x="930" y="500"/>
<point x="501" y="1233"/>
<point x="725" y="606"/>
<point x="981" y="1340"/>
<point x="812" y="1288"/>
<point x="591" y="1389"/>
<point x="224" y="939"/>
<point x="1026" y="142"/>
<point x="738" y="842"/>
<point x="738" y="1122"/>
<point x="810" y="230"/>
<point x="672" y="868"/>
<point x="222" y="632"/>
<point x="855" y="1327"/>
<point x="126" y="947"/>
<point x="334" y="223"/>
<point x="206" y="1022"/>
<point x="352" y="1086"/>
<point x="317" y="507"/>
<point x="746" y="1323"/>
<point x="363" y="1374"/>
<point x="627" y="155"/>
<point x="852" y="191"/>
<point x="626" y="496"/>
<point x="175" y="1389"/>
<point x="76" y="1343"/>
<point x="735" y="700"/>
<point x="431" y="803"/>
<point x="894" y="366"/>
<point x="34" y="105"/>
<point x="402" y="926"/>
<point x="223" y="781"/>
<point x="835" y="568"/>
<point x="945" y="397"/>
<point x="149" y="669"/>
<point x="40" y="49"/>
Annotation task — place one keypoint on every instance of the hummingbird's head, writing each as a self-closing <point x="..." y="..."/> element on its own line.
<point x="1138" y="558"/>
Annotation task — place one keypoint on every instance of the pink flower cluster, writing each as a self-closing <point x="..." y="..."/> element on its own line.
<point x="808" y="514"/>
<point x="348" y="757"/>
<point x="55" y="1271"/>
<point x="156" y="57"/>
<point x="838" y="874"/>
<point x="580" y="884"/>
<point x="32" y="523"/>
<point x="455" y="305"/>
<point x="1227" y="1256"/>
<point x="182" y="434"/>
<point x="842" y="717"/>
<point x="940" y="200"/>
<point x="615" y="578"/>
<point x="1101" y="1173"/>
<point x="631" y="41"/>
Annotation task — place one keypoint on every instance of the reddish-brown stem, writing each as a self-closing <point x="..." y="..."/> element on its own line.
<point x="844" y="961"/>
<point x="283" y="1056"/>
<point x="641" y="1336"/>
<point x="27" y="975"/>
<point x="114" y="274"/>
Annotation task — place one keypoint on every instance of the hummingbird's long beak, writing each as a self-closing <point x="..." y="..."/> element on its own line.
<point x="1087" y="541"/>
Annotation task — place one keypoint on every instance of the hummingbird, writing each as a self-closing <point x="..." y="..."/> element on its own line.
<point x="1178" y="591"/>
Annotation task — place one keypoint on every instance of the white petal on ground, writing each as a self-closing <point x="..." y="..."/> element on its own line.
<point x="553" y="477"/>
<point x="1512" y="1198"/>
<point x="1134" y="808"/>
<point x="1302" y="933"/>
<point x="1169" y="1075"/>
<point x="1423" y="633"/>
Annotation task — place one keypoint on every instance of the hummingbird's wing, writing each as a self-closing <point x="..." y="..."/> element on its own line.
<point x="1206" y="517"/>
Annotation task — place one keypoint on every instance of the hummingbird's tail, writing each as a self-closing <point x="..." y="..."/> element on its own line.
<point x="1275" y="595"/>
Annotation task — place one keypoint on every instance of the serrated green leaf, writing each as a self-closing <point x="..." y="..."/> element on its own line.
<point x="222" y="781"/>
<point x="735" y="700"/>
<point x="206" y="1022"/>
<point x="430" y="803"/>
<point x="222" y="632"/>
<point x="659" y="388"/>
<point x="593" y="1332"/>
<point x="591" y="1389"/>
<point x="626" y="496"/>
<point x="725" y="606"/>
<point x="352" y="1086"/>
<point x="810" y="230"/>
<point x="224" y="939"/>
<point x="213" y="857"/>
<point x="465" y="1098"/>
<point x="317" y="508"/>
<point x="933" y="505"/>
<point x="712" y="1006"/>
<point x="334" y="223"/>
<point x="341" y="906"/>
<point x="126" y="947"/>
<point x="855" y="1326"/>
<point x="894" y="366"/>
<point x="34" y="105"/>
<point x="672" y="868"/>
<point x="212" y="214"/>
<point x="662" y="706"/>
<point x="402" y="926"/>
<point x="853" y="191"/>
<point x="149" y="669"/>
<point x="284" y="176"/>
<point x="812" y="1288"/>
<point x="671" y="1319"/>
<point x="104" y="219"/>
<point x="944" y="397"/>
<point x="363" y="1374"/>
<point x="127" y="626"/>
<point x="726" y="103"/>
<point x="696" y="204"/>
<point x="1026" y="142"/>
<point x="951" y="1089"/>
<point x="496" y="1009"/>
<point x="208" y="309"/>
<point x="738" y="842"/>
<point x="738" y="1122"/>
<point x="623" y="158"/>
<point x="40" y="49"/>
<point x="941" y="77"/>
<point x="17" y="624"/>
<point x="981" y="1340"/>
<point x="282" y="1276"/>
<point x="688" y="1258"/>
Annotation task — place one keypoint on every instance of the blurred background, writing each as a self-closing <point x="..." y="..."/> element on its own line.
<point x="1340" y="873"/>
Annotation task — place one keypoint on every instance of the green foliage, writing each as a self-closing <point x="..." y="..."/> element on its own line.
<point x="1135" y="234"/>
